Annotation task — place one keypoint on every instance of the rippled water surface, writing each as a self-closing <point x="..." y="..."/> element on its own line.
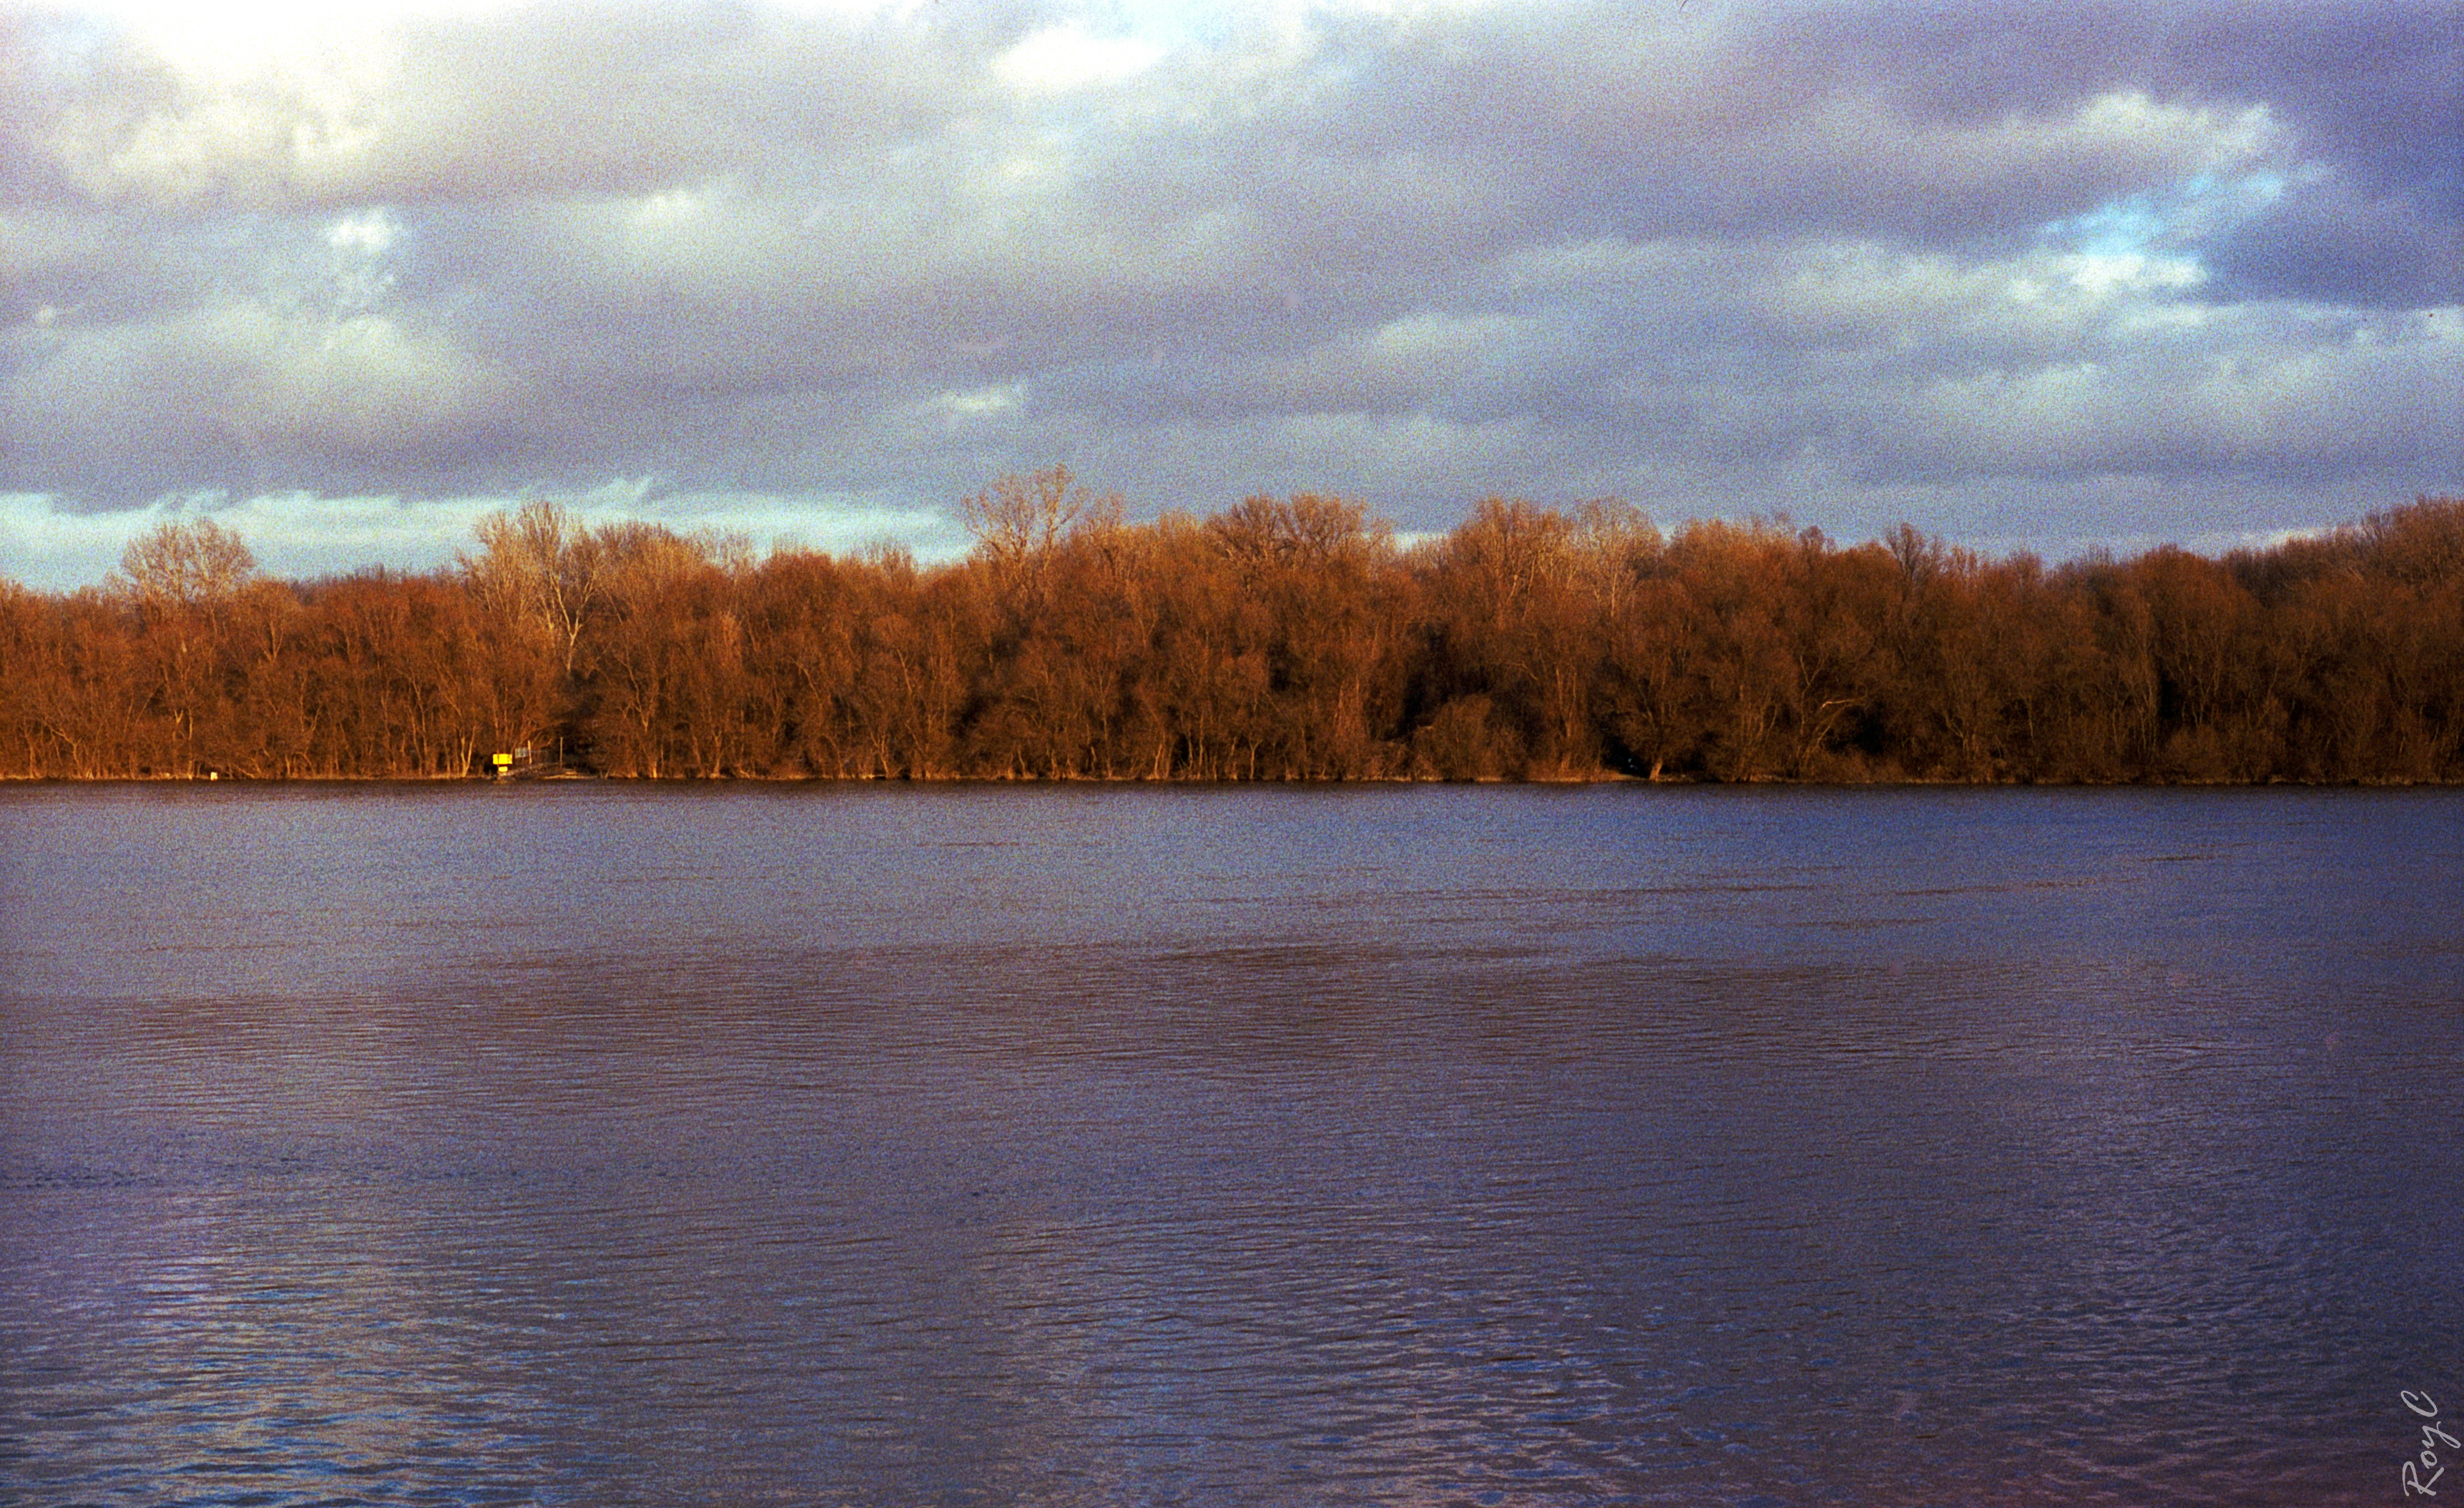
<point x="586" y="1144"/>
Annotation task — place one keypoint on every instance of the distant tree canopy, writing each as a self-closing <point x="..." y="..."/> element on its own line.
<point x="1281" y="639"/>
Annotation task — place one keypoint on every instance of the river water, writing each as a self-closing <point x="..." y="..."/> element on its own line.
<point x="588" y="1144"/>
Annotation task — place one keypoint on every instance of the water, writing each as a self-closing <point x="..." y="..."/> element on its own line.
<point x="590" y="1145"/>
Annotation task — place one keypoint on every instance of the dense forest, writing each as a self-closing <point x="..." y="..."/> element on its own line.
<point x="1291" y="639"/>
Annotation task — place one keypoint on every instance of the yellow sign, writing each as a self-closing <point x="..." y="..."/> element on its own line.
<point x="504" y="760"/>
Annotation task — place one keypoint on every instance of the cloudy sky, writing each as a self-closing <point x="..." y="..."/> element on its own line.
<point x="2038" y="277"/>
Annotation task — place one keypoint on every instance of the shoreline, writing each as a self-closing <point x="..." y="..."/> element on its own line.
<point x="1610" y="778"/>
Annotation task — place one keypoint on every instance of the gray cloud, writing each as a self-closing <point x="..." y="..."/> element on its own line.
<point x="1872" y="259"/>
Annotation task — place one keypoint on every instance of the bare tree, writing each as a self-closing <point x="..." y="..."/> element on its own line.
<point x="537" y="562"/>
<point x="183" y="576"/>
<point x="1019" y="520"/>
<point x="188" y="564"/>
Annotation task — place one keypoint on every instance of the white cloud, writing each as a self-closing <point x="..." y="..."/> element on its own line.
<point x="369" y="232"/>
<point x="239" y="376"/>
<point x="2042" y="300"/>
<point x="1401" y="249"/>
<point x="1064" y="57"/>
<point x="2262" y="392"/>
<point x="973" y="410"/>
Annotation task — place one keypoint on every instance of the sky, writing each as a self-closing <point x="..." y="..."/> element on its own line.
<point x="2033" y="276"/>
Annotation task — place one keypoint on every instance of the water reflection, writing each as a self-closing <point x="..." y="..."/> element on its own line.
<point x="1431" y="1145"/>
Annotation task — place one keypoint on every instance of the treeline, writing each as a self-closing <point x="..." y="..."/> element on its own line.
<point x="1287" y="639"/>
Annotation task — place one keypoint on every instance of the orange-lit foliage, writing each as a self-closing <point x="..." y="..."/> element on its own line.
<point x="1281" y="639"/>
